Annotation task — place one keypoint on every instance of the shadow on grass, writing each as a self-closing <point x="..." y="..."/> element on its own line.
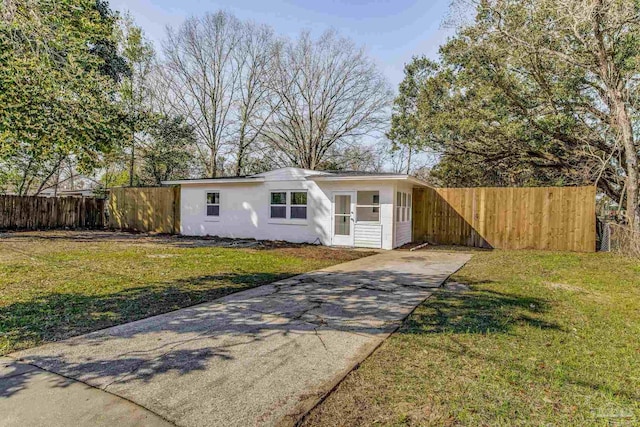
<point x="372" y="301"/>
<point x="477" y="312"/>
<point x="484" y="311"/>
<point x="56" y="316"/>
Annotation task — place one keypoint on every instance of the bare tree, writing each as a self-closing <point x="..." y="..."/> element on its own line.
<point x="327" y="90"/>
<point x="201" y="79"/>
<point x="253" y="68"/>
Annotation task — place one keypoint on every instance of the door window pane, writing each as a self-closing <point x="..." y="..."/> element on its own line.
<point x="342" y="216"/>
<point x="343" y="204"/>
<point x="342" y="225"/>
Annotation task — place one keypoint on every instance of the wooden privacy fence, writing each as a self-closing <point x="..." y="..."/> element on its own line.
<point x="35" y="212"/>
<point x="154" y="209"/>
<point x="554" y="218"/>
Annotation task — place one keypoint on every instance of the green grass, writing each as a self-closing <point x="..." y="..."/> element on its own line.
<point x="59" y="284"/>
<point x="540" y="339"/>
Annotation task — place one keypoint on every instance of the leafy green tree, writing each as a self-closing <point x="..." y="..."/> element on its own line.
<point x="168" y="151"/>
<point x="135" y="88"/>
<point x="58" y="78"/>
<point x="535" y="92"/>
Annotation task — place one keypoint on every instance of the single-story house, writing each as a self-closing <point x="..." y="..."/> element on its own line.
<point x="359" y="209"/>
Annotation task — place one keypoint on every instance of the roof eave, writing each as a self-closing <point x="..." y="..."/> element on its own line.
<point x="409" y="178"/>
<point x="214" y="181"/>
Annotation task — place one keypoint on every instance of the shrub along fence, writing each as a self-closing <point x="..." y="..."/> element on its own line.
<point x="36" y="212"/>
<point x="554" y="218"/>
<point x="152" y="209"/>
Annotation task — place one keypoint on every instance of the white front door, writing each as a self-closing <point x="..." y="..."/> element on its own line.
<point x="343" y="218"/>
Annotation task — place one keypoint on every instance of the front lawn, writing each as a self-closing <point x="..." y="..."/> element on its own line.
<point x="540" y="339"/>
<point x="59" y="284"/>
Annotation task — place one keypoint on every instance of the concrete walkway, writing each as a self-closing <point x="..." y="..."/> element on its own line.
<point x="258" y="357"/>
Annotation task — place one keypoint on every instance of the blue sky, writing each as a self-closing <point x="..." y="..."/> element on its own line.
<point x="392" y="31"/>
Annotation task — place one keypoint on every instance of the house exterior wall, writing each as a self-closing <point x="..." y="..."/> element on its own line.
<point x="402" y="229"/>
<point x="245" y="211"/>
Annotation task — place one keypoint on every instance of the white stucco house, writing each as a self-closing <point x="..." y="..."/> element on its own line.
<point x="297" y="205"/>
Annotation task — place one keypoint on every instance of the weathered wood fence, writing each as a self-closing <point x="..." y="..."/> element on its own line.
<point x="154" y="209"/>
<point x="554" y="218"/>
<point x="36" y="213"/>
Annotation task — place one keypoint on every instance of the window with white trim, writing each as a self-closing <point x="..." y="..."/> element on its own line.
<point x="368" y="206"/>
<point x="403" y="207"/>
<point x="288" y="205"/>
<point x="298" y="205"/>
<point x="278" y="204"/>
<point x="213" y="203"/>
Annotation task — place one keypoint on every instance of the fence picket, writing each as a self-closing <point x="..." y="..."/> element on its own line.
<point x="555" y="218"/>
<point x="36" y="212"/>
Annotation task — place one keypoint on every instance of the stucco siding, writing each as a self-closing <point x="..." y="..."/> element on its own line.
<point x="245" y="211"/>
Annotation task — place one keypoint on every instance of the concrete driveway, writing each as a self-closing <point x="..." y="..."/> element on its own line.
<point x="258" y="357"/>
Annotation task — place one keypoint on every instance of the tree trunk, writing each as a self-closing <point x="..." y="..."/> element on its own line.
<point x="240" y="149"/>
<point x="621" y="118"/>
<point x="214" y="163"/>
<point x="132" y="160"/>
<point x="631" y="159"/>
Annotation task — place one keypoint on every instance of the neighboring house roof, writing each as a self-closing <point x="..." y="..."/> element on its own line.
<point x="61" y="193"/>
<point x="290" y="173"/>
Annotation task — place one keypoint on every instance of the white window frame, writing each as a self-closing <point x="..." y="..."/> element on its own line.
<point x="374" y="206"/>
<point x="291" y="205"/>
<point x="207" y="204"/>
<point x="403" y="207"/>
<point x="288" y="199"/>
<point x="280" y="205"/>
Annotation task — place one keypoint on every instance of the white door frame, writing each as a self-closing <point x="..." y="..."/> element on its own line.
<point x="346" y="240"/>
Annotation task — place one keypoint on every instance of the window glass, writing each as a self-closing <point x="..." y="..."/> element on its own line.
<point x="298" y="212"/>
<point x="213" y="198"/>
<point x="279" y="198"/>
<point x="368" y="206"/>
<point x="213" y="204"/>
<point x="278" y="211"/>
<point x="298" y="197"/>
